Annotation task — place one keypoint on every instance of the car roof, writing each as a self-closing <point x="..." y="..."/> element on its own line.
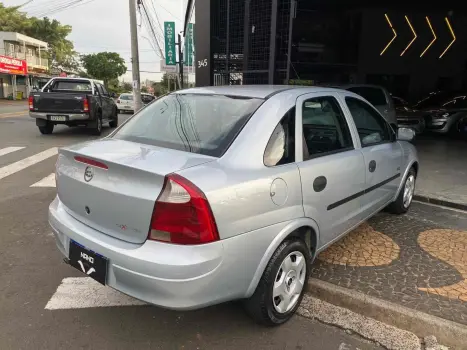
<point x="254" y="91"/>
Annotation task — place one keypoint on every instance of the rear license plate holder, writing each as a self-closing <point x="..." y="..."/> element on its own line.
<point x="58" y="118"/>
<point x="88" y="262"/>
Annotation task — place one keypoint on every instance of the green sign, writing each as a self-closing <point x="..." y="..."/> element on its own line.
<point x="170" y="53"/>
<point x="189" y="44"/>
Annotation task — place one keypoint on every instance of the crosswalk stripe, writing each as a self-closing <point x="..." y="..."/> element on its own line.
<point x="27" y="162"/>
<point x="48" y="181"/>
<point x="84" y="292"/>
<point x="7" y="150"/>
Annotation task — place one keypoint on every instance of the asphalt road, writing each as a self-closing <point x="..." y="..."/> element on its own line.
<point x="32" y="270"/>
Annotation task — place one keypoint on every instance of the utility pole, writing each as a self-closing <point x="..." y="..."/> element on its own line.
<point x="180" y="60"/>
<point x="135" y="57"/>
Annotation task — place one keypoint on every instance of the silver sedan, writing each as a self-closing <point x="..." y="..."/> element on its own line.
<point x="214" y="194"/>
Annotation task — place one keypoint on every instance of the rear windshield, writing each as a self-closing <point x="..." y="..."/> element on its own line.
<point x="203" y="124"/>
<point x="126" y="97"/>
<point x="71" y="85"/>
<point x="373" y="95"/>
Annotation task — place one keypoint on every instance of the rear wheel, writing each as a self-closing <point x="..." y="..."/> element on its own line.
<point x="282" y="286"/>
<point x="114" y="121"/>
<point x="46" y="129"/>
<point x="402" y="204"/>
<point x="96" y="126"/>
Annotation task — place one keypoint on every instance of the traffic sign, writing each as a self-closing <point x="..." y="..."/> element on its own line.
<point x="170" y="53"/>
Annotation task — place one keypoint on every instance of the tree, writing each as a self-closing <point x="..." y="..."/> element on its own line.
<point x="144" y="89"/>
<point x="104" y="65"/>
<point x="126" y="87"/>
<point x="61" y="53"/>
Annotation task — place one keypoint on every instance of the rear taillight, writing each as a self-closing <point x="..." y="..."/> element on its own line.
<point x="31" y="103"/>
<point x="182" y="214"/>
<point x="85" y="105"/>
<point x="118" y="101"/>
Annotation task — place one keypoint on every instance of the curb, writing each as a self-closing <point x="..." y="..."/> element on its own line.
<point x="437" y="201"/>
<point x="447" y="332"/>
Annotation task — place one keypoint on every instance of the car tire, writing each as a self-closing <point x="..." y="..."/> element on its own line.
<point x="47" y="129"/>
<point x="402" y="204"/>
<point x="282" y="285"/>
<point x="113" y="123"/>
<point x="96" y="126"/>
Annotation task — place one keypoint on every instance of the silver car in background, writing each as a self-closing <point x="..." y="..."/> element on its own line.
<point x="221" y="193"/>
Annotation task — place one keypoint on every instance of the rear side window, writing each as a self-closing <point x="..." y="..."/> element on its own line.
<point x="203" y="124"/>
<point x="281" y="145"/>
<point x="373" y="95"/>
<point x="126" y="97"/>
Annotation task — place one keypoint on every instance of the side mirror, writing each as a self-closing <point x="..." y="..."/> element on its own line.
<point x="405" y="134"/>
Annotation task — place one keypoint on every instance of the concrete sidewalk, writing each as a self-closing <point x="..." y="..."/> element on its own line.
<point x="442" y="177"/>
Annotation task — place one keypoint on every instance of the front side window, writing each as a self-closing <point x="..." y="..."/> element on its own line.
<point x="371" y="126"/>
<point x="325" y="129"/>
<point x="196" y="123"/>
<point x="281" y="146"/>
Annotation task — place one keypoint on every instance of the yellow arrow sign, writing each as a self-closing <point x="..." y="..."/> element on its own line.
<point x="453" y="37"/>
<point x="434" y="37"/>
<point x="414" y="36"/>
<point x="393" y="38"/>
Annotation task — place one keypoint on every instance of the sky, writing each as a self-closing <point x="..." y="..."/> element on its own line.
<point x="104" y="25"/>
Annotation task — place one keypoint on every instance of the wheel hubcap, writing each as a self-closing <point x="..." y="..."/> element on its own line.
<point x="289" y="282"/>
<point x="409" y="190"/>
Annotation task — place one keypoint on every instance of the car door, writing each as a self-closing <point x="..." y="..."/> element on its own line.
<point x="382" y="154"/>
<point x="106" y="104"/>
<point x="380" y="99"/>
<point x="332" y="170"/>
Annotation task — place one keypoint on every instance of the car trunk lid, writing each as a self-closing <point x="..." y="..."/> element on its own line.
<point x="112" y="185"/>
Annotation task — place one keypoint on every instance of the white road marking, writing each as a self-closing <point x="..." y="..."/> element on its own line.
<point x="84" y="292"/>
<point x="7" y="150"/>
<point x="27" y="162"/>
<point x="48" y="181"/>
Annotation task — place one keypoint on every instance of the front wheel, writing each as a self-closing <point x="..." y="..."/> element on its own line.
<point x="282" y="286"/>
<point x="47" y="129"/>
<point x="402" y="204"/>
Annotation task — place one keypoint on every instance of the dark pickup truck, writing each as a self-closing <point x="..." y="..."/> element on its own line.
<point x="73" y="102"/>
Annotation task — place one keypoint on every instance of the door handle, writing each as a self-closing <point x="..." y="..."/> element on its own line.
<point x="372" y="166"/>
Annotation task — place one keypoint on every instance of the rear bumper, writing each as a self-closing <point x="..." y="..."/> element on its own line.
<point x="171" y="276"/>
<point x="123" y="107"/>
<point x="71" y="117"/>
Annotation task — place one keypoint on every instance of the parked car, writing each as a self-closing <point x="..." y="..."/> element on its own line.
<point x="378" y="96"/>
<point x="446" y="114"/>
<point x="125" y="102"/>
<point x="407" y="116"/>
<point x="73" y="102"/>
<point x="228" y="193"/>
